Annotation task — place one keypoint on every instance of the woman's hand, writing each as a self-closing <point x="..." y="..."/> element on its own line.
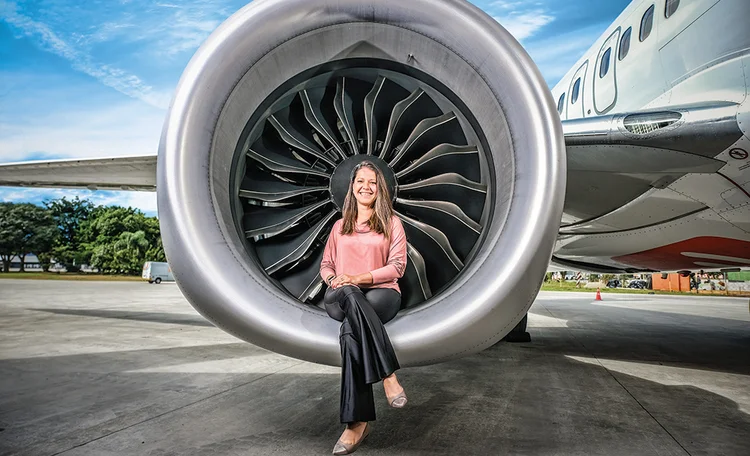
<point x="356" y="280"/>
<point x="342" y="280"/>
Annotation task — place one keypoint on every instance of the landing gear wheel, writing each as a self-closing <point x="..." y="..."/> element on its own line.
<point x="519" y="333"/>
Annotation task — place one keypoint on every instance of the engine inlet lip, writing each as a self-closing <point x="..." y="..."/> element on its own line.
<point x="269" y="40"/>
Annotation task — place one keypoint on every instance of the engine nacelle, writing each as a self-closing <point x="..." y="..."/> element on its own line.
<point x="280" y="103"/>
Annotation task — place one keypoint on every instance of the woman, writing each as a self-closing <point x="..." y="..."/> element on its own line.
<point x="364" y="257"/>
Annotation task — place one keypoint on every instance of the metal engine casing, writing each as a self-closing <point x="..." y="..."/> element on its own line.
<point x="268" y="42"/>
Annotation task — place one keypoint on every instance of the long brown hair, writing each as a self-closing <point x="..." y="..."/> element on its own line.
<point x="380" y="220"/>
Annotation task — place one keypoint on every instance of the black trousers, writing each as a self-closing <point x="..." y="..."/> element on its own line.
<point x="367" y="355"/>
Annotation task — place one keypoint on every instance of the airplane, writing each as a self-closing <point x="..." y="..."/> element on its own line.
<point x="635" y="162"/>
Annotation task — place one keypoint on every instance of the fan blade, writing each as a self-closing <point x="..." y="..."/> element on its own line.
<point x="273" y="190"/>
<point x="462" y="159"/>
<point x="462" y="231"/>
<point x="278" y="255"/>
<point x="305" y="283"/>
<point x="441" y="261"/>
<point x="429" y="131"/>
<point x="379" y="104"/>
<point x="282" y="164"/>
<point x="311" y="102"/>
<point x="415" y="288"/>
<point x="281" y="122"/>
<point x="343" y="105"/>
<point x="452" y="187"/>
<point x="405" y="116"/>
<point x="266" y="222"/>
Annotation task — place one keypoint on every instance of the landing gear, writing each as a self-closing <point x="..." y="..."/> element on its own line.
<point x="519" y="334"/>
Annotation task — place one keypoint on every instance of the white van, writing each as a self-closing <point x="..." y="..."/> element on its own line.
<point x="154" y="271"/>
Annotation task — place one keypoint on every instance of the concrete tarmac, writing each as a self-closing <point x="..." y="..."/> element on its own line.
<point x="122" y="368"/>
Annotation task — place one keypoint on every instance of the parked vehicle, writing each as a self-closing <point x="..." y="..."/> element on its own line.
<point x="614" y="283"/>
<point x="156" y="272"/>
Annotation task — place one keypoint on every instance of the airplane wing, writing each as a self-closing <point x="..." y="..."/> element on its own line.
<point x="627" y="171"/>
<point x="614" y="159"/>
<point x="137" y="173"/>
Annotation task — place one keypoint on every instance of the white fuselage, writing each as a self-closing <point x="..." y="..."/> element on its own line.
<point x="698" y="56"/>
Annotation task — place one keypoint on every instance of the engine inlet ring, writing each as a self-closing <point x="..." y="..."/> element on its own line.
<point x="503" y="106"/>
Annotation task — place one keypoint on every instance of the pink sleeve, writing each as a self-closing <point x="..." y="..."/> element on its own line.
<point x="396" y="264"/>
<point x="328" y="265"/>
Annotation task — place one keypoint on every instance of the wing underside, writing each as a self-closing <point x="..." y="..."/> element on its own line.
<point x="643" y="180"/>
<point x="135" y="173"/>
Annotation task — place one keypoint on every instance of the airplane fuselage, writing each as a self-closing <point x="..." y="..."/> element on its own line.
<point x="668" y="202"/>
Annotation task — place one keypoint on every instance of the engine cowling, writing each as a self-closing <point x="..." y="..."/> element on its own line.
<point x="279" y="104"/>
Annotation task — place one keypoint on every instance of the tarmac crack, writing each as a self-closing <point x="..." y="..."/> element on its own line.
<point x="174" y="410"/>
<point x="614" y="377"/>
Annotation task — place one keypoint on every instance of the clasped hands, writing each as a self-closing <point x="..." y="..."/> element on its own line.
<point x="346" y="279"/>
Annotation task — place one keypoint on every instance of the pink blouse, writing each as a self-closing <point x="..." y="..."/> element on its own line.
<point x="359" y="253"/>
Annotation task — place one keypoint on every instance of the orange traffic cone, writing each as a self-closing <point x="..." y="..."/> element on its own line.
<point x="598" y="295"/>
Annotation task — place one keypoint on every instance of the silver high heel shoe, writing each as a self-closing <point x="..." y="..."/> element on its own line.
<point x="343" y="448"/>
<point x="399" y="400"/>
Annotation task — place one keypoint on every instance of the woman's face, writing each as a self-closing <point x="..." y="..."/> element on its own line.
<point x="365" y="187"/>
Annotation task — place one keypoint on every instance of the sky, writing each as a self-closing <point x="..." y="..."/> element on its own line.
<point x="94" y="79"/>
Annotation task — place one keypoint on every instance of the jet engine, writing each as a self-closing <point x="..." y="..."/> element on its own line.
<point x="287" y="96"/>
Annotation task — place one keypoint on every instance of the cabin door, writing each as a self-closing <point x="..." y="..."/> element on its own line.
<point x="575" y="92"/>
<point x="605" y="75"/>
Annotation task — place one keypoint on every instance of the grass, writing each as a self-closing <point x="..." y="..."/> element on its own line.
<point x="67" y="276"/>
<point x="552" y="286"/>
<point x="571" y="286"/>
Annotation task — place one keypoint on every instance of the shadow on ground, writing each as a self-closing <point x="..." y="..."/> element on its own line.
<point x="153" y="317"/>
<point x="510" y="399"/>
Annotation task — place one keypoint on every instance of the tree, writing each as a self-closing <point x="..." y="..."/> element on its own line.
<point x="45" y="239"/>
<point x="119" y="240"/>
<point x="10" y="234"/>
<point x="130" y="250"/>
<point x="38" y="230"/>
<point x="113" y="239"/>
<point x="69" y="215"/>
<point x="25" y="228"/>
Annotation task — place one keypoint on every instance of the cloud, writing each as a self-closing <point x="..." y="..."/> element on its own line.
<point x="109" y="75"/>
<point x="125" y="128"/>
<point x="507" y="4"/>
<point x="524" y="24"/>
<point x="555" y="56"/>
<point x="186" y="31"/>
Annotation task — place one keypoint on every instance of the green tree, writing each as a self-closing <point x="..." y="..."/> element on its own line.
<point x="10" y="234"/>
<point x="130" y="251"/>
<point x="69" y="215"/>
<point x="25" y="228"/>
<point x="38" y="230"/>
<point x="119" y="240"/>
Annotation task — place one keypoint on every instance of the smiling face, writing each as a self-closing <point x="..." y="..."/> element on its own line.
<point x="365" y="187"/>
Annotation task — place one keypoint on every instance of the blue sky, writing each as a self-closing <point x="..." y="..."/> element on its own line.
<point x="92" y="79"/>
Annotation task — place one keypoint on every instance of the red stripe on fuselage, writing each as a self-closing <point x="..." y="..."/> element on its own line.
<point x="670" y="257"/>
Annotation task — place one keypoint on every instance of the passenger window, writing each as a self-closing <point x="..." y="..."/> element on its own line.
<point x="604" y="65"/>
<point x="671" y="7"/>
<point x="647" y="23"/>
<point x="561" y="103"/>
<point x="625" y="43"/>
<point x="576" y="91"/>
